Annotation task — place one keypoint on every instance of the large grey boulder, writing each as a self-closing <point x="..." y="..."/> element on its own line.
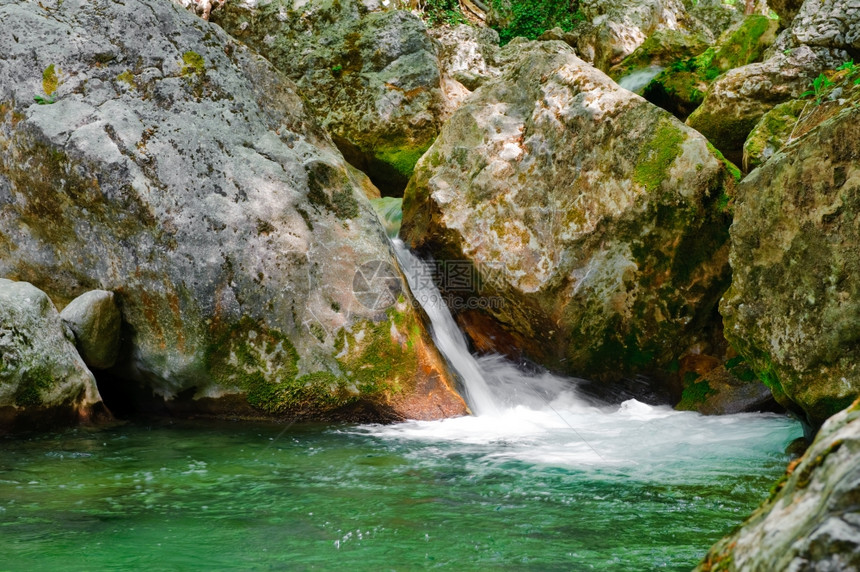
<point x="96" y="321"/>
<point x="812" y="520"/>
<point x="795" y="296"/>
<point x="592" y="218"/>
<point x="40" y="370"/>
<point x="182" y="172"/>
<point x="369" y="73"/>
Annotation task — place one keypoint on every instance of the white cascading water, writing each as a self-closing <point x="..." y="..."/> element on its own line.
<point x="539" y="418"/>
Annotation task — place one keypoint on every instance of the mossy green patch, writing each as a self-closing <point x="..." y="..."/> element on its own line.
<point x="193" y="63"/>
<point x="696" y="392"/>
<point x="50" y="80"/>
<point x="128" y="78"/>
<point x="402" y="160"/>
<point x="736" y="173"/>
<point x="657" y="155"/>
<point x="33" y="381"/>
<point x="681" y="87"/>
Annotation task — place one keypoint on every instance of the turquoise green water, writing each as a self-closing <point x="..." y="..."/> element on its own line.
<point x="471" y="494"/>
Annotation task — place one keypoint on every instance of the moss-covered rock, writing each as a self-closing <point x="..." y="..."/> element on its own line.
<point x="371" y="76"/>
<point x="771" y="133"/>
<point x="593" y="218"/>
<point x="209" y="201"/>
<point x="662" y="48"/>
<point x="791" y="308"/>
<point x="41" y="373"/>
<point x="810" y="522"/>
<point x="732" y="387"/>
<point x="681" y="88"/>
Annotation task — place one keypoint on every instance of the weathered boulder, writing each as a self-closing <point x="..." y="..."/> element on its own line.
<point x="681" y="88"/>
<point x="831" y="24"/>
<point x="593" y="220"/>
<point x="370" y="75"/>
<point x="41" y="373"/>
<point x="172" y="166"/>
<point x="714" y="17"/>
<point x="468" y="54"/>
<point x="812" y="520"/>
<point x="738" y="99"/>
<point x="792" y="308"/>
<point x="96" y="321"/>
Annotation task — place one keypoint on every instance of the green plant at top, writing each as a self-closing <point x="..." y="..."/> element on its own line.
<point x="819" y="85"/>
<point x="438" y="12"/>
<point x="531" y="18"/>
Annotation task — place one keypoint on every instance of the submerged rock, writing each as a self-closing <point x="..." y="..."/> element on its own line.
<point x="41" y="374"/>
<point x="590" y="222"/>
<point x="96" y="321"/>
<point x="170" y="165"/>
<point x="370" y="75"/>
<point x="811" y="521"/>
<point x="791" y="310"/>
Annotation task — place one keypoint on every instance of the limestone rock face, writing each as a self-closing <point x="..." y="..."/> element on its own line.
<point x="468" y="54"/>
<point x="370" y="75"/>
<point x="591" y="216"/>
<point x="833" y="24"/>
<point x="95" y="320"/>
<point x="791" y="310"/>
<point x="772" y="132"/>
<point x="170" y="165"/>
<point x="812" y="522"/>
<point x="40" y="370"/>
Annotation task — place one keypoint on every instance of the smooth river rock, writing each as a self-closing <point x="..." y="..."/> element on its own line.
<point x="594" y="220"/>
<point x="812" y="520"/>
<point x="95" y="320"/>
<point x="41" y="374"/>
<point x="170" y="165"/>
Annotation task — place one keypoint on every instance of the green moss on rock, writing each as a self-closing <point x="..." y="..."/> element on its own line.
<point x="657" y="156"/>
<point x="193" y="63"/>
<point x="680" y="88"/>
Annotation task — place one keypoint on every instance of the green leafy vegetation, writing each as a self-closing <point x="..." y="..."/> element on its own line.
<point x="438" y="12"/>
<point x="531" y="18"/>
<point x="819" y="86"/>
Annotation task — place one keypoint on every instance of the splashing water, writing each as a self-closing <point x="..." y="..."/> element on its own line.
<point x="540" y="418"/>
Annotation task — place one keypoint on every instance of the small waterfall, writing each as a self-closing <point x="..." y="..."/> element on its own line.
<point x="446" y="334"/>
<point x="637" y="80"/>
